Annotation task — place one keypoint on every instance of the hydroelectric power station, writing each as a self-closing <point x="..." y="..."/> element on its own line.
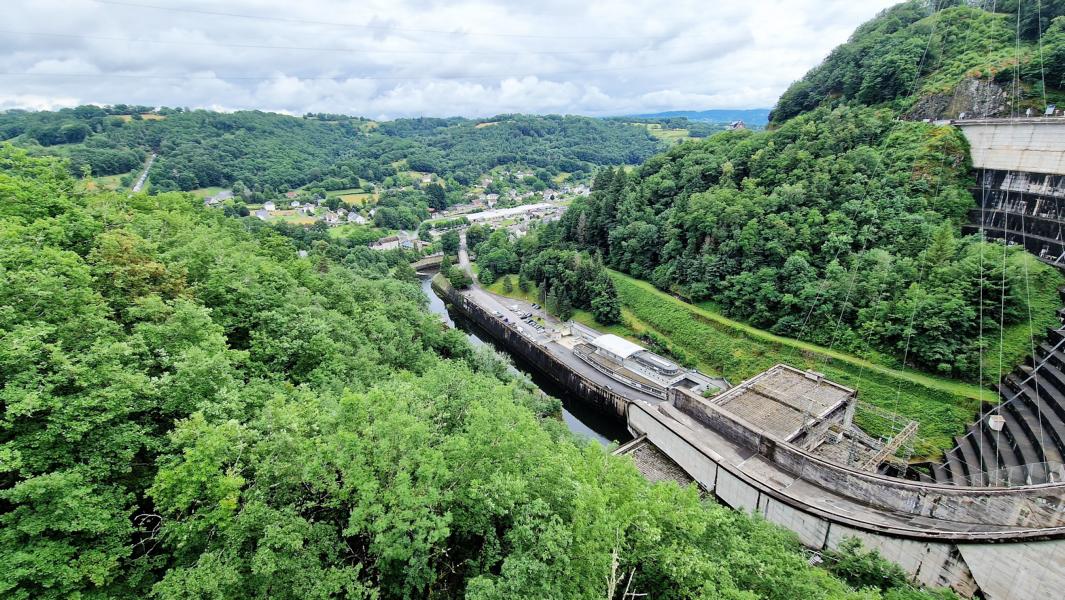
<point x="989" y="520"/>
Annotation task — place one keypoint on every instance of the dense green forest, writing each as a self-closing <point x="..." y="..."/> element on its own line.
<point x="267" y="151"/>
<point x="834" y="217"/>
<point x="906" y="50"/>
<point x="192" y="410"/>
<point x="840" y="226"/>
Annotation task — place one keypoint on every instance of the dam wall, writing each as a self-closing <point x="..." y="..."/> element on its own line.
<point x="539" y="356"/>
<point x="972" y="512"/>
<point x="1001" y="566"/>
<point x="1019" y="145"/>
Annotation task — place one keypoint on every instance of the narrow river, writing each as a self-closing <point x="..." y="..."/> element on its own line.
<point x="582" y="420"/>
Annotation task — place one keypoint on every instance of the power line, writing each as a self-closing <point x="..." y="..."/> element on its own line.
<point x="305" y="48"/>
<point x="372" y="27"/>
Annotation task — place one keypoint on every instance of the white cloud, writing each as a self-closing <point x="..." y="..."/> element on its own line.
<point x="391" y="58"/>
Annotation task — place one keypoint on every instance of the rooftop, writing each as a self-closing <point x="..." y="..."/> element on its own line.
<point x="780" y="399"/>
<point x="616" y="345"/>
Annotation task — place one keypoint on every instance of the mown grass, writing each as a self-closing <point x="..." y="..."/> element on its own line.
<point x="532" y="296"/>
<point x="737" y="351"/>
<point x="670" y="136"/>
<point x="206" y="191"/>
<point x="357" y="199"/>
<point x="107" y="182"/>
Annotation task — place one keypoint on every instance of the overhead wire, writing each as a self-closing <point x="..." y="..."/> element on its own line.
<point x="856" y="259"/>
<point x="345" y="77"/>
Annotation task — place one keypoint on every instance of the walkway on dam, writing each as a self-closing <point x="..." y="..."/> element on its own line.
<point x="804" y="493"/>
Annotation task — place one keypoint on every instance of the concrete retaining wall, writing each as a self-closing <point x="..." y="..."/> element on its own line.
<point x="1036" y="507"/>
<point x="1002" y="570"/>
<point x="589" y="391"/>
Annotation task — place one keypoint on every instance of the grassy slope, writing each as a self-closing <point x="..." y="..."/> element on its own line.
<point x="720" y="346"/>
<point x="1016" y="340"/>
<point x="738" y="351"/>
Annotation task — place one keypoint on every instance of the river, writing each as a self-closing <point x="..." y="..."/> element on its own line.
<point x="584" y="421"/>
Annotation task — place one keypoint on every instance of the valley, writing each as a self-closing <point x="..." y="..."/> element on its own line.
<point x="442" y="301"/>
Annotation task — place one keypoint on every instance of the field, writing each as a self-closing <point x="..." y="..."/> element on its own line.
<point x="205" y="192"/>
<point x="293" y="217"/>
<point x="108" y="182"/>
<point x="497" y="288"/>
<point x="670" y="136"/>
<point x="352" y="196"/>
<point x="145" y="116"/>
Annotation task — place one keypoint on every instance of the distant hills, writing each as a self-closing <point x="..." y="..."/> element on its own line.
<point x="757" y="117"/>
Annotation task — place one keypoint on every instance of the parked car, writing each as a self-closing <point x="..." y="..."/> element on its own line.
<point x="536" y="306"/>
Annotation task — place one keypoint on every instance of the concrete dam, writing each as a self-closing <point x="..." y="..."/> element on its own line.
<point x="989" y="520"/>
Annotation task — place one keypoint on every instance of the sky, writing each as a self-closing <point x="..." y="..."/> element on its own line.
<point x="400" y="58"/>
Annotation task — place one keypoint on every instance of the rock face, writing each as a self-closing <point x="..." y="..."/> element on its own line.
<point x="975" y="97"/>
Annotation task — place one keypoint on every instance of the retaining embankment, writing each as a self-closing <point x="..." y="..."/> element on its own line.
<point x="542" y="357"/>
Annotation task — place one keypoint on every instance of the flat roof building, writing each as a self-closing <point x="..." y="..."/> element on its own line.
<point x="618" y="348"/>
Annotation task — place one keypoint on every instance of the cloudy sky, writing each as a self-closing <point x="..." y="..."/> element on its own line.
<point x="395" y="58"/>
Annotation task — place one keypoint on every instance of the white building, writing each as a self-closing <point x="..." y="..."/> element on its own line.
<point x="614" y="347"/>
<point x="269" y="206"/>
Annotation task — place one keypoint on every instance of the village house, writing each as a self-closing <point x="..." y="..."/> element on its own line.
<point x="331" y="218"/>
<point x="263" y="214"/>
<point x="356" y="218"/>
<point x="269" y="206"/>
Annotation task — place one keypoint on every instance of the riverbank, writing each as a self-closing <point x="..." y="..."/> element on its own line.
<point x="583" y="421"/>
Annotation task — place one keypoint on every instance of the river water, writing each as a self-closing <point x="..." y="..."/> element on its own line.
<point x="585" y="421"/>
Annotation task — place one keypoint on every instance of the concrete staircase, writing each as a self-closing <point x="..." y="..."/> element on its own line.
<point x="1029" y="447"/>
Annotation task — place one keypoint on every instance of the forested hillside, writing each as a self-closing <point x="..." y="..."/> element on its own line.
<point x="939" y="58"/>
<point x="191" y="410"/>
<point x="842" y="225"/>
<point x="199" y="148"/>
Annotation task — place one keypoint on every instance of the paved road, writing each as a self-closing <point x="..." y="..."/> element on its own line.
<point x="144" y="174"/>
<point x="464" y="255"/>
<point x="501" y="307"/>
